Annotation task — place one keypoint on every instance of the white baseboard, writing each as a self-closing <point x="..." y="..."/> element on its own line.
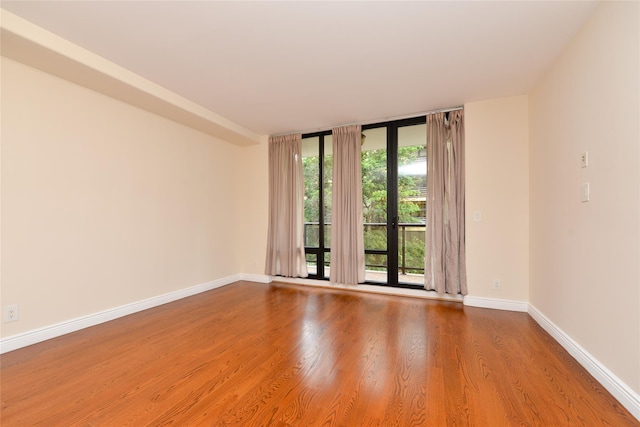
<point x="372" y="289"/>
<point x="621" y="391"/>
<point x="260" y="278"/>
<point x="42" y="334"/>
<point x="496" y="304"/>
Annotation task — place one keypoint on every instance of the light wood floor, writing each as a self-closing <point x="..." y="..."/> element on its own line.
<point x="251" y="354"/>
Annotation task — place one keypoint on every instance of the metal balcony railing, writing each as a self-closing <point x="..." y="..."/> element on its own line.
<point x="311" y="233"/>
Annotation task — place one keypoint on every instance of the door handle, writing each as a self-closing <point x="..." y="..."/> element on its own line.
<point x="394" y="222"/>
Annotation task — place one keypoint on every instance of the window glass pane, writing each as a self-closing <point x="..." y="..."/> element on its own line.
<point x="327" y="188"/>
<point x="376" y="266"/>
<point x="412" y="197"/>
<point x="412" y="258"/>
<point x="327" y="261"/>
<point x="412" y="173"/>
<point x="374" y="187"/>
<point x="311" y="234"/>
<point x="312" y="264"/>
<point x="311" y="170"/>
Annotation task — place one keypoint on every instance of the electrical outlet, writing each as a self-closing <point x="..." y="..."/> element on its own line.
<point x="10" y="313"/>
<point x="496" y="284"/>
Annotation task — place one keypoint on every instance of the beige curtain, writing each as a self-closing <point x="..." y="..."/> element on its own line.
<point x="285" y="241"/>
<point x="347" y="234"/>
<point x="445" y="265"/>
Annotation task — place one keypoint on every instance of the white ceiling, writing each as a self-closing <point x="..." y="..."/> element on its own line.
<point x="277" y="67"/>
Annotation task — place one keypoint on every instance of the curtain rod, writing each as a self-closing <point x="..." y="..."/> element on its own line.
<point x="387" y="119"/>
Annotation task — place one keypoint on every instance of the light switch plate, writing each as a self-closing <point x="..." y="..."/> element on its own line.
<point x="585" y="191"/>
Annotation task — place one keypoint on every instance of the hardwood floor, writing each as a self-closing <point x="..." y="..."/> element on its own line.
<point x="251" y="354"/>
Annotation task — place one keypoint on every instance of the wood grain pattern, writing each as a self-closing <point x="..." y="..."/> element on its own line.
<point x="280" y="355"/>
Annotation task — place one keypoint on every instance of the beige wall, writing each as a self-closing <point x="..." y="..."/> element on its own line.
<point x="497" y="185"/>
<point x="497" y="180"/>
<point x="254" y="206"/>
<point x="585" y="256"/>
<point x="104" y="204"/>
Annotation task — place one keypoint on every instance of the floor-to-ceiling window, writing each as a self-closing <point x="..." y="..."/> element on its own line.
<point x="317" y="161"/>
<point x="394" y="195"/>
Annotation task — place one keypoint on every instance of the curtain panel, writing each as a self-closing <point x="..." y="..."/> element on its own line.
<point x="285" y="240"/>
<point x="445" y="262"/>
<point x="347" y="233"/>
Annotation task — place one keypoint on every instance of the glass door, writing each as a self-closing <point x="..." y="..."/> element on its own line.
<point x="394" y="173"/>
<point x="394" y="185"/>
